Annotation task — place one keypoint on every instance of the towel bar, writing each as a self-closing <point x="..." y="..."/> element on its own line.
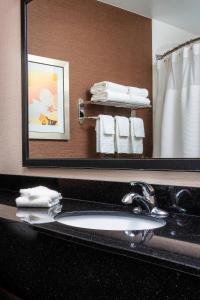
<point x="82" y="103"/>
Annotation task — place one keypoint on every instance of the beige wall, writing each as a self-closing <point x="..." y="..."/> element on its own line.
<point x="10" y="116"/>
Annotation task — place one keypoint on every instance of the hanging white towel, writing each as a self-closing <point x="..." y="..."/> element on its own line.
<point x="104" y="86"/>
<point x="105" y="131"/>
<point x="38" y="215"/>
<point x="137" y="134"/>
<point x="122" y="140"/>
<point x="43" y="201"/>
<point x="138" y="92"/>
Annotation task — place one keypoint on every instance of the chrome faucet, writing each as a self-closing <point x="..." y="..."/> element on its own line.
<point x="147" y="200"/>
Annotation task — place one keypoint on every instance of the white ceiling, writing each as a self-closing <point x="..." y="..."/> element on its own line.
<point x="184" y="14"/>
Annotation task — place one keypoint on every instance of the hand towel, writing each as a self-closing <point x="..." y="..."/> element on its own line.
<point x="122" y="140"/>
<point x="105" y="132"/>
<point x="39" y="191"/>
<point x="137" y="133"/>
<point x="108" y="86"/>
<point x="138" y="92"/>
<point x="38" y="216"/>
<point x="43" y="201"/>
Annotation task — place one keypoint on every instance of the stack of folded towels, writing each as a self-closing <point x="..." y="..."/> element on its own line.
<point x="112" y="92"/>
<point x="39" y="196"/>
<point x="119" y="135"/>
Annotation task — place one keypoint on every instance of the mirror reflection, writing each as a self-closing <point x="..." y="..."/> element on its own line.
<point x="113" y="79"/>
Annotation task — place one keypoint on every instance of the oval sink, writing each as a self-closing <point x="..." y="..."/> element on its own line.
<point x="101" y="220"/>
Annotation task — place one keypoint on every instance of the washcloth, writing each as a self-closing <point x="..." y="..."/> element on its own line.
<point x="137" y="134"/>
<point x="105" y="132"/>
<point x="38" y="192"/>
<point x="38" y="215"/>
<point x="122" y="140"/>
<point x="43" y="201"/>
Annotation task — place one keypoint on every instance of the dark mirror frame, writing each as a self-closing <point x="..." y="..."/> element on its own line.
<point x="144" y="164"/>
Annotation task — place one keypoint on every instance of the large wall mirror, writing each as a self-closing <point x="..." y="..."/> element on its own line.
<point x="111" y="84"/>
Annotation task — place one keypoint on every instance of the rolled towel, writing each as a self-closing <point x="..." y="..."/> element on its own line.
<point x="38" y="191"/>
<point x="138" y="92"/>
<point x="38" y="215"/>
<point x="43" y="201"/>
<point x="105" y="86"/>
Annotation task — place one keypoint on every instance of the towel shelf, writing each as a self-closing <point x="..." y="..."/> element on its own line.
<point x="82" y="103"/>
<point x="117" y="104"/>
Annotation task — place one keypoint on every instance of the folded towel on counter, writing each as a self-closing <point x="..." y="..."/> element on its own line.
<point x="106" y="85"/>
<point x="38" y="216"/>
<point x="137" y="134"/>
<point x="138" y="92"/>
<point x="120" y="98"/>
<point x="39" y="191"/>
<point x="43" y="201"/>
<point x="105" y="131"/>
<point x="122" y="140"/>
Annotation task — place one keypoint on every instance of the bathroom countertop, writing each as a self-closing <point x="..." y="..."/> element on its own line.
<point x="175" y="246"/>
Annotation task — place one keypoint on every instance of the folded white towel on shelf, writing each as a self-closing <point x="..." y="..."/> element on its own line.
<point x="138" y="92"/>
<point x="38" y="215"/>
<point x="120" y="98"/>
<point x="122" y="140"/>
<point x="138" y="100"/>
<point x="39" y="191"/>
<point x="137" y="134"/>
<point x="111" y="96"/>
<point x="105" y="131"/>
<point x="106" y="85"/>
<point x="43" y="201"/>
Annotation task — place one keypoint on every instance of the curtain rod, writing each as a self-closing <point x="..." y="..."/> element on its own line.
<point x="161" y="56"/>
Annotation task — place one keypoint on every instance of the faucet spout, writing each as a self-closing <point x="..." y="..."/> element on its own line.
<point x="146" y="201"/>
<point x="140" y="200"/>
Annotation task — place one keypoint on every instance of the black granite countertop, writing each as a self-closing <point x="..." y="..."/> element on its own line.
<point x="175" y="246"/>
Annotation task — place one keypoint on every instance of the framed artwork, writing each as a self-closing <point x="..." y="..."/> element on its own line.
<point x="48" y="98"/>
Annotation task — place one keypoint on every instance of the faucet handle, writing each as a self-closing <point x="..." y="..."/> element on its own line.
<point x="145" y="186"/>
<point x="147" y="190"/>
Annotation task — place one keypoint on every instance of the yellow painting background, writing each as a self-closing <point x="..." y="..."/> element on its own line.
<point x="43" y="83"/>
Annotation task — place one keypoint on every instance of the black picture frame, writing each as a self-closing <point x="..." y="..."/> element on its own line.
<point x="139" y="164"/>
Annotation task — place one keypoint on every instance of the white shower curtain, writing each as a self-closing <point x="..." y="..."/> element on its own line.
<point x="177" y="105"/>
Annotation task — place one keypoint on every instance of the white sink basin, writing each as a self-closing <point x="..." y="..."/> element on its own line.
<point x="100" y="220"/>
